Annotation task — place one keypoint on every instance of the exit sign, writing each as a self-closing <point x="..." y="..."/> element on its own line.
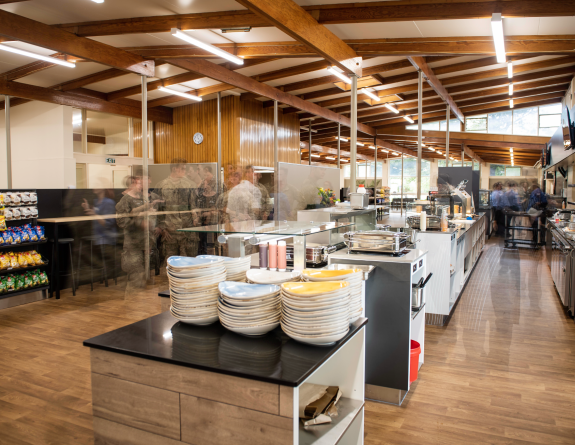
<point x="110" y="161"/>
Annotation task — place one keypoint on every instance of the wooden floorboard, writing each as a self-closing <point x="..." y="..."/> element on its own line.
<point x="501" y="372"/>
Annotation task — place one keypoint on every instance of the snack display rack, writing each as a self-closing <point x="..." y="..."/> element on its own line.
<point x="382" y="201"/>
<point x="28" y="294"/>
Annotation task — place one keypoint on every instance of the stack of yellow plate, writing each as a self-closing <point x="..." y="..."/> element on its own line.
<point x="353" y="276"/>
<point x="315" y="313"/>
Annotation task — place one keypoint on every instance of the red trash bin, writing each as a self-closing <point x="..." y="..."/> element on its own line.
<point x="414" y="361"/>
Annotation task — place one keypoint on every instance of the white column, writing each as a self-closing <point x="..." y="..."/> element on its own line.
<point x="309" y="143"/>
<point x="276" y="162"/>
<point x="84" y="130"/>
<point x="8" y="142"/>
<point x="145" y="175"/>
<point x="219" y="165"/>
<point x="353" y="134"/>
<point x="338" y="144"/>
<point x="419" y="131"/>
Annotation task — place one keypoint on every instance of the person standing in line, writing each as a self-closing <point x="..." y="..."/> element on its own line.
<point x="244" y="200"/>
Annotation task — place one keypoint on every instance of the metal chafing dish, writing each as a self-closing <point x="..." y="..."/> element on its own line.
<point x="432" y="222"/>
<point x="376" y="241"/>
<point x="314" y="253"/>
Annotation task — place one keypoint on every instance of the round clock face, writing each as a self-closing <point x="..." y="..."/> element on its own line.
<point x="198" y="138"/>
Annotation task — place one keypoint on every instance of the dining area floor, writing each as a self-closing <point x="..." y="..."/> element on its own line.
<point x="501" y="372"/>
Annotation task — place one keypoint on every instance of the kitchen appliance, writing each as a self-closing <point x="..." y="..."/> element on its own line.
<point x="417" y="295"/>
<point x="377" y="241"/>
<point x="484" y="199"/>
<point x="359" y="200"/>
<point x="561" y="264"/>
<point x="433" y="222"/>
<point x="314" y="253"/>
<point x="568" y="129"/>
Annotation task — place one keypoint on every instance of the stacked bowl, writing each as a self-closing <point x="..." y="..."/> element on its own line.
<point x="249" y="309"/>
<point x="194" y="288"/>
<point x="261" y="276"/>
<point x="236" y="268"/>
<point x="316" y="313"/>
<point x="353" y="276"/>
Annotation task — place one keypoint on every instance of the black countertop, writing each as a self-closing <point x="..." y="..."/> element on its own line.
<point x="273" y="358"/>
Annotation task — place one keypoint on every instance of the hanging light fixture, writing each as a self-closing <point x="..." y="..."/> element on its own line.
<point x="341" y="139"/>
<point x="391" y="108"/>
<point x="511" y="89"/>
<point x="330" y="158"/>
<point x="206" y="46"/>
<point x="370" y="94"/>
<point x="511" y="103"/>
<point x="360" y="144"/>
<point x="315" y="156"/>
<point x="384" y="151"/>
<point x="498" y="38"/>
<point x="179" y="93"/>
<point x="511" y="151"/>
<point x="409" y="119"/>
<point x="372" y="147"/>
<point x="510" y="70"/>
<point x="342" y="76"/>
<point x="432" y="149"/>
<point x="22" y="52"/>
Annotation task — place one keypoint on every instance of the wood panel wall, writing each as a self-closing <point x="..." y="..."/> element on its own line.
<point x="247" y="134"/>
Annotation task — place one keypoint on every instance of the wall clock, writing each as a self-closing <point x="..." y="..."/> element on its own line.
<point x="198" y="138"/>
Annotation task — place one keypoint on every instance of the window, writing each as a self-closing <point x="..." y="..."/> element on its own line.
<point x="476" y="123"/>
<point x="360" y="174"/>
<point x="425" y="126"/>
<point x="525" y="121"/>
<point x="409" y="177"/>
<point x="513" y="171"/>
<point x="501" y="123"/>
<point x="549" y="119"/>
<point x="454" y="125"/>
<point x="504" y="170"/>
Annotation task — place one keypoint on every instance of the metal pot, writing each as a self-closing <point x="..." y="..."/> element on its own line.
<point x="411" y="233"/>
<point x="417" y="299"/>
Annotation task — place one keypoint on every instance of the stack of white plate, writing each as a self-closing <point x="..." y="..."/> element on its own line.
<point x="249" y="309"/>
<point x="236" y="268"/>
<point x="316" y="313"/>
<point x="353" y="276"/>
<point x="262" y="276"/>
<point x="194" y="288"/>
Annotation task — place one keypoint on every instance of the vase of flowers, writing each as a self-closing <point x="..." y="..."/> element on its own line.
<point x="327" y="196"/>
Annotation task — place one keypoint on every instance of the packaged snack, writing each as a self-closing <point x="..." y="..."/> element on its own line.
<point x="33" y="197"/>
<point x="4" y="261"/>
<point x="33" y="212"/>
<point x="33" y="235"/>
<point x="10" y="283"/>
<point x="24" y="235"/>
<point x="35" y="276"/>
<point x="1" y="240"/>
<point x="13" y="260"/>
<point x="28" y="280"/>
<point x="25" y="212"/>
<point x="8" y="215"/>
<point x="2" y="223"/>
<point x="25" y="197"/>
<point x="19" y="282"/>
<point x="3" y="285"/>
<point x="16" y="214"/>
<point x="7" y="236"/>
<point x="36" y="258"/>
<point x="15" y="199"/>
<point x="29" y="258"/>
<point x="6" y="198"/>
<point x="40" y="232"/>
<point x="22" y="261"/>
<point x="43" y="278"/>
<point x="16" y="238"/>
<point x="2" y="196"/>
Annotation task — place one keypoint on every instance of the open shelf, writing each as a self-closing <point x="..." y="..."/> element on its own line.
<point x="331" y="433"/>
<point x="415" y="313"/>
<point x="24" y="291"/>
<point x="22" y="269"/>
<point x="13" y="246"/>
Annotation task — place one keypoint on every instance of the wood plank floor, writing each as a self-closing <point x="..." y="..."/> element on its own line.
<point x="502" y="372"/>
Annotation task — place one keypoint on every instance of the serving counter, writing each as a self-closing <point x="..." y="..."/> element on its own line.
<point x="159" y="381"/>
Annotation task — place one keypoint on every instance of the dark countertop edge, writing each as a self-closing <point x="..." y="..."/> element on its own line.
<point x="228" y="372"/>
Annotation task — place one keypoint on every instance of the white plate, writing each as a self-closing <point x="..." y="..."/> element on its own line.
<point x="254" y="330"/>
<point x="237" y="290"/>
<point x="325" y="340"/>
<point x="260" y="276"/>
<point x="246" y="323"/>
<point x="185" y="262"/>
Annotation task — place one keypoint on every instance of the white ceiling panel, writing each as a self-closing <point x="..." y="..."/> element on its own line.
<point x="119" y="83"/>
<point x="167" y="70"/>
<point x="520" y="26"/>
<point x="274" y="66"/>
<point x="58" y="74"/>
<point x="556" y="25"/>
<point x="454" y="28"/>
<point x="130" y="40"/>
<point x="375" y="30"/>
<point x="257" y="35"/>
<point x="200" y="83"/>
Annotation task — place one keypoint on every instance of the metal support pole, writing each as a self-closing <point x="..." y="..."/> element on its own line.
<point x="145" y="198"/>
<point x="375" y="175"/>
<point x="8" y="142"/>
<point x="219" y="167"/>
<point x="338" y="144"/>
<point x="309" y="142"/>
<point x="84" y="142"/>
<point x="447" y="135"/>
<point x="401" y="202"/>
<point x="462" y="154"/>
<point x="276" y="163"/>
<point x="353" y="134"/>
<point x="419" y="131"/>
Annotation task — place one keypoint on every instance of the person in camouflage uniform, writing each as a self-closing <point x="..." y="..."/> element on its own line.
<point x="176" y="193"/>
<point x="131" y="219"/>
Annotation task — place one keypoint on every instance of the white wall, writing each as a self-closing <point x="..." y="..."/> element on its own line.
<point x="42" y="146"/>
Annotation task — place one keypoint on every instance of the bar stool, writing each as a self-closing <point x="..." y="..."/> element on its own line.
<point x="69" y="242"/>
<point x="104" y="276"/>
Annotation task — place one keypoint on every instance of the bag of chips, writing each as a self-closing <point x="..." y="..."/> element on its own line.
<point x="29" y="258"/>
<point x="13" y="260"/>
<point x="35" y="277"/>
<point x="43" y="277"/>
<point x="10" y="283"/>
<point x="25" y="235"/>
<point x="2" y="223"/>
<point x="7" y="236"/>
<point x="22" y="261"/>
<point x="3" y="285"/>
<point x="4" y="261"/>
<point x="32" y="234"/>
<point x="36" y="258"/>
<point x="33" y="197"/>
<point x="6" y="199"/>
<point x="40" y="232"/>
<point x="28" y="280"/>
<point x="19" y="282"/>
<point x="16" y="238"/>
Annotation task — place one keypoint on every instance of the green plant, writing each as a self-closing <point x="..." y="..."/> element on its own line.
<point x="328" y="198"/>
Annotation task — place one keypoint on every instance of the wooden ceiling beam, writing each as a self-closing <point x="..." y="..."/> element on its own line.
<point x="224" y="75"/>
<point x="322" y="149"/>
<point x="72" y="99"/>
<point x="394" y="11"/>
<point x="36" y="33"/>
<point x="292" y="19"/>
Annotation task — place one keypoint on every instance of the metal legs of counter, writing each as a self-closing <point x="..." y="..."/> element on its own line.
<point x="392" y="324"/>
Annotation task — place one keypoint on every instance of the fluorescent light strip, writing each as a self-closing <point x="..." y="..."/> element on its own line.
<point x="385" y="151"/>
<point x="510" y="70"/>
<point x="370" y="94"/>
<point x="360" y="144"/>
<point x="98" y="1"/>
<point x="342" y="76"/>
<point x="409" y="119"/>
<point x="22" y="52"/>
<point x="511" y="89"/>
<point x="498" y="38"/>
<point x="438" y="152"/>
<point x="341" y="139"/>
<point x="432" y="149"/>
<point x="206" y="46"/>
<point x="451" y="158"/>
<point x="372" y="147"/>
<point x="511" y="103"/>
<point x="391" y="108"/>
<point x="329" y="157"/>
<point x="179" y="93"/>
<point x="394" y="153"/>
<point x="315" y="156"/>
<point x="511" y="150"/>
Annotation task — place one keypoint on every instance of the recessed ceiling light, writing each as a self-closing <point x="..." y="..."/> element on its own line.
<point x="342" y="76"/>
<point x="498" y="39"/>
<point x="22" y="52"/>
<point x="511" y="150"/>
<point x="372" y="147"/>
<point x="179" y="93"/>
<point x="206" y="46"/>
<point x="432" y="149"/>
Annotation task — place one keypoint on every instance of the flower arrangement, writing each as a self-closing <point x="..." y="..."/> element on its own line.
<point x="328" y="198"/>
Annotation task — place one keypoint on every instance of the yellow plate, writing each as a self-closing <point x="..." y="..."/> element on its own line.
<point x="328" y="273"/>
<point x="314" y="288"/>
